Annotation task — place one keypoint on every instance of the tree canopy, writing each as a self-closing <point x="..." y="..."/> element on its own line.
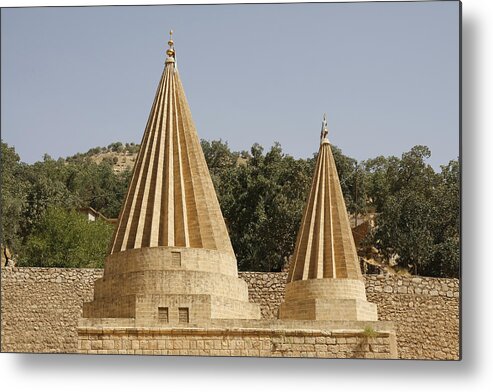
<point x="419" y="214"/>
<point x="262" y="194"/>
<point x="28" y="191"/>
<point x="66" y="238"/>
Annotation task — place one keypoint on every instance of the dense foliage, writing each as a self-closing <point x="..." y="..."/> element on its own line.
<point x="29" y="190"/>
<point x="262" y="199"/>
<point x="419" y="212"/>
<point x="66" y="238"/>
<point x="262" y="196"/>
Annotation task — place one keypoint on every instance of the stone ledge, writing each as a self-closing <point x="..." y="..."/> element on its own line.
<point x="240" y="324"/>
<point x="233" y="331"/>
<point x="230" y="341"/>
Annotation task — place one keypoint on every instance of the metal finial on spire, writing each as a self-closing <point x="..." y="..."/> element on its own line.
<point x="325" y="131"/>
<point x="170" y="42"/>
<point x="171" y="51"/>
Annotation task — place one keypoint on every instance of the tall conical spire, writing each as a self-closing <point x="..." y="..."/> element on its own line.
<point x="171" y="200"/>
<point x="171" y="253"/>
<point x="325" y="246"/>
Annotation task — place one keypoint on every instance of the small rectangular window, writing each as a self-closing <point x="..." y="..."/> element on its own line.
<point x="183" y="315"/>
<point x="176" y="259"/>
<point x="162" y="315"/>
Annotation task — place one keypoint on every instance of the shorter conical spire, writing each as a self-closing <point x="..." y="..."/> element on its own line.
<point x="325" y="247"/>
<point x="324" y="280"/>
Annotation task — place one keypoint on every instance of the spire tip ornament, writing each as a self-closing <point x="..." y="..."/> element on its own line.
<point x="325" y="131"/>
<point x="171" y="51"/>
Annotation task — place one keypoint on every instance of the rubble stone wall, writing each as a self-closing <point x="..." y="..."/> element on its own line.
<point x="425" y="310"/>
<point x="41" y="306"/>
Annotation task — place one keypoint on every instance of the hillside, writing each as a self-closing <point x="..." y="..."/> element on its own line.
<point x="121" y="160"/>
<point x="121" y="156"/>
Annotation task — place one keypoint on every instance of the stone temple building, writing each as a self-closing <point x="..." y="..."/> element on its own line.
<point x="170" y="284"/>
<point x="171" y="258"/>
<point x="324" y="280"/>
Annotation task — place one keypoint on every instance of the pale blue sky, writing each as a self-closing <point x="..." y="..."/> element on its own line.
<point x="387" y="74"/>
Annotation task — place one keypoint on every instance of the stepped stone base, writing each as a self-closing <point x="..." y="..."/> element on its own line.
<point x="165" y="309"/>
<point x="165" y="286"/>
<point x="338" y="309"/>
<point x="327" y="299"/>
<point x="249" y="338"/>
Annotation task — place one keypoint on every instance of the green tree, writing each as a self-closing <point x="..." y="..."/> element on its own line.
<point x="46" y="187"/>
<point x="405" y="229"/>
<point x="116" y="147"/>
<point x="97" y="186"/>
<point x="381" y="177"/>
<point x="446" y="214"/>
<point x="29" y="190"/>
<point x="418" y="212"/>
<point x="13" y="196"/>
<point x="64" y="238"/>
<point x="262" y="199"/>
<point x="352" y="180"/>
<point x="218" y="156"/>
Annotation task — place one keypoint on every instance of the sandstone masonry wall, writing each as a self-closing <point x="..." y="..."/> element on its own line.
<point x="238" y="342"/>
<point x="41" y="306"/>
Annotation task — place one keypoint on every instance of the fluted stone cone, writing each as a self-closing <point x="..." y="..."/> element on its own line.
<point x="324" y="279"/>
<point x="171" y="259"/>
<point x="171" y="199"/>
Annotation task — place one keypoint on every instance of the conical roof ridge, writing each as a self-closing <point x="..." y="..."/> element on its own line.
<point x="325" y="246"/>
<point x="171" y="199"/>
